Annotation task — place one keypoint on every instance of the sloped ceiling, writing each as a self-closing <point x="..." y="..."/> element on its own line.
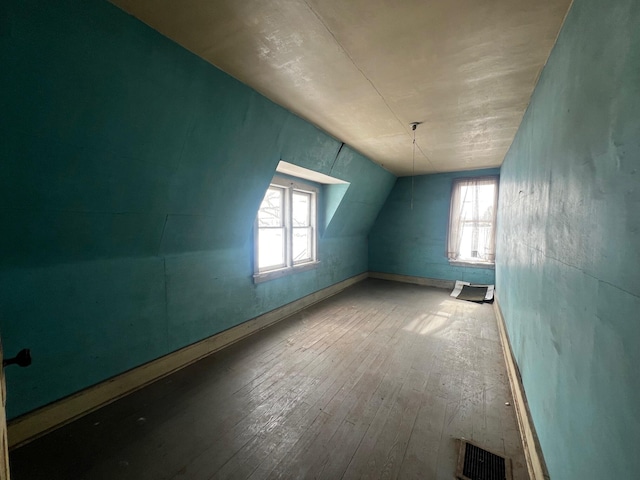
<point x="363" y="70"/>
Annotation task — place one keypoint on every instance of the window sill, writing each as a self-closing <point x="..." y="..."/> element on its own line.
<point x="283" y="272"/>
<point x="466" y="263"/>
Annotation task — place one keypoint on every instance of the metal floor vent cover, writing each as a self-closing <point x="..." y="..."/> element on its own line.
<point x="476" y="463"/>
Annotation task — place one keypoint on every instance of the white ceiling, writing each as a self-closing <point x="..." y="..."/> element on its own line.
<point x="363" y="70"/>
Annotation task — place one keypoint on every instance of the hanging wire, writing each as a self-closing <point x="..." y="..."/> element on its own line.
<point x="413" y="168"/>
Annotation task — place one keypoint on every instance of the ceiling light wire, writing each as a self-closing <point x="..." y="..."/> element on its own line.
<point x="413" y="167"/>
<point x="414" y="125"/>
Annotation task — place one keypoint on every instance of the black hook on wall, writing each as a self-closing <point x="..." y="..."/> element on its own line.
<point x="22" y="359"/>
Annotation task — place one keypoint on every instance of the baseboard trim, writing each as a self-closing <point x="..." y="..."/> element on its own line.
<point x="428" y="282"/>
<point x="34" y="424"/>
<point x="532" y="452"/>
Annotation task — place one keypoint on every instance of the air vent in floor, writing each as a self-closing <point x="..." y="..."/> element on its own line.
<point x="475" y="463"/>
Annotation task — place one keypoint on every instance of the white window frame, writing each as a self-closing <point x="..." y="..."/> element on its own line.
<point x="472" y="262"/>
<point x="290" y="266"/>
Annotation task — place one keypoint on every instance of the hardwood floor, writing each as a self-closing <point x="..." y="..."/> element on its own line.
<point x="376" y="382"/>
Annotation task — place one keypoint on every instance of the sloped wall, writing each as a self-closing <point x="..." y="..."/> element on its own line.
<point x="130" y="175"/>
<point x="413" y="242"/>
<point x="568" y="275"/>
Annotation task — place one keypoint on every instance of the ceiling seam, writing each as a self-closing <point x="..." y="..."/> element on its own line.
<point x="365" y="77"/>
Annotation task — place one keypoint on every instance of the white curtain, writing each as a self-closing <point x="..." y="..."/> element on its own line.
<point x="472" y="219"/>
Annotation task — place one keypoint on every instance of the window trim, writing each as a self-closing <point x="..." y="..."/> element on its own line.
<point x="468" y="262"/>
<point x="289" y="185"/>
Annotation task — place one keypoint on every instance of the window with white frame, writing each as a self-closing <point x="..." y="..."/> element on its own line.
<point x="286" y="229"/>
<point x="472" y="220"/>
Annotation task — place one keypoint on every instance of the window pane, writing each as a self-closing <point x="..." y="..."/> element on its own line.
<point x="301" y="209"/>
<point x="270" y="247"/>
<point x="285" y="227"/>
<point x="271" y="213"/>
<point x="476" y="220"/>
<point x="475" y="241"/>
<point x="302" y="244"/>
<point x="478" y="202"/>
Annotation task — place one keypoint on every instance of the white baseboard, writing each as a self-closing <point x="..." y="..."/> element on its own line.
<point x="532" y="452"/>
<point x="43" y="420"/>
<point x="428" y="282"/>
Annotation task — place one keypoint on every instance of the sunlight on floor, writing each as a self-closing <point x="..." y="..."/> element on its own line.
<point x="428" y="324"/>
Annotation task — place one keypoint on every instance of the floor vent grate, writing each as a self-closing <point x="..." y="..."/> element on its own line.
<point x="475" y="463"/>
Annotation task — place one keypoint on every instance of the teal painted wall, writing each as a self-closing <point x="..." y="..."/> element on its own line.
<point x="568" y="268"/>
<point x="130" y="175"/>
<point x="413" y="241"/>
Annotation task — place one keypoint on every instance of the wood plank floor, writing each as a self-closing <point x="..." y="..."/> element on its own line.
<point x="376" y="382"/>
